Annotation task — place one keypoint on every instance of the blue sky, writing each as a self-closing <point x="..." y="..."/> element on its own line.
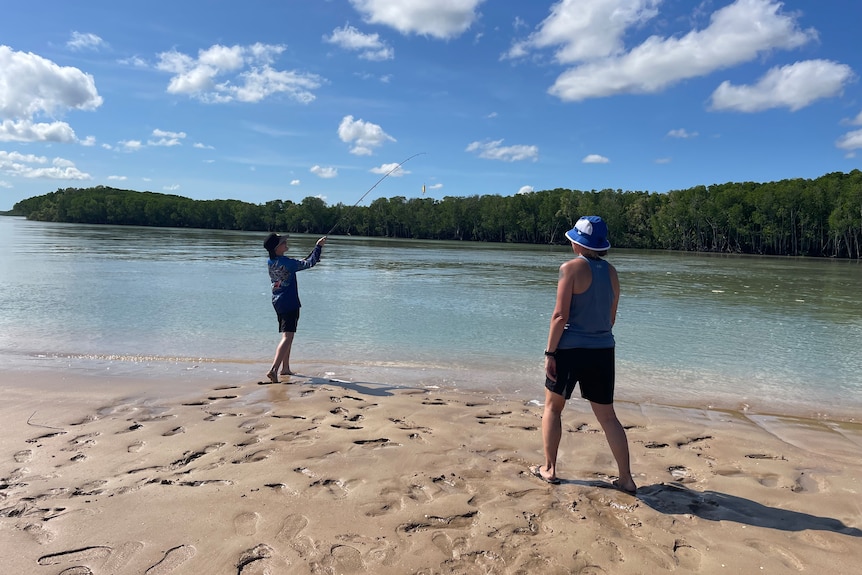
<point x="262" y="100"/>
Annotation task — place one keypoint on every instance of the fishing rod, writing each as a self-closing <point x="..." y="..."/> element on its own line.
<point x="386" y="175"/>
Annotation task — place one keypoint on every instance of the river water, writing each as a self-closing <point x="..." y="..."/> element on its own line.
<point x="776" y="335"/>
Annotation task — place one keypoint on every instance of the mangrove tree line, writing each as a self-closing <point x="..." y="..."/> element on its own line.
<point x="820" y="217"/>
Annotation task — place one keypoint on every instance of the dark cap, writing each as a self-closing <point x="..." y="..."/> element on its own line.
<point x="272" y="240"/>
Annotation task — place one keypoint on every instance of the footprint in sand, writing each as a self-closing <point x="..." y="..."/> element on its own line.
<point x="686" y="556"/>
<point x="681" y="473"/>
<point x="136" y="446"/>
<point x="783" y="555"/>
<point x="173" y="558"/>
<point x="23" y="456"/>
<point x="38" y="532"/>
<point x="76" y="570"/>
<point x="293" y="525"/>
<point x="344" y="559"/>
<point x="246" y="523"/>
<point x="256" y="560"/>
<point x="121" y="556"/>
<point x="256" y="456"/>
<point x="75" y="555"/>
<point x="335" y="487"/>
<point x="174" y="431"/>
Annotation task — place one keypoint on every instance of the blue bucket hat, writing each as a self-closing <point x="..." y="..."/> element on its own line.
<point x="590" y="232"/>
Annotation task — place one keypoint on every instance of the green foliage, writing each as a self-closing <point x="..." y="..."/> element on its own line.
<point x="821" y="217"/>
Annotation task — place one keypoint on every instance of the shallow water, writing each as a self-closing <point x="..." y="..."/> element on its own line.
<point x="777" y="334"/>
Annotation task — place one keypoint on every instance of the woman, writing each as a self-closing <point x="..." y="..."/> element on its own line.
<point x="581" y="347"/>
<point x="285" y="296"/>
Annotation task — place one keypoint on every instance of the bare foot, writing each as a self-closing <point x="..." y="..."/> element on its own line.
<point x="272" y="376"/>
<point x="287" y="372"/>
<point x="626" y="487"/>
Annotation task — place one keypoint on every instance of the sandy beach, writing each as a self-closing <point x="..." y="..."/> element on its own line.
<point x="330" y="477"/>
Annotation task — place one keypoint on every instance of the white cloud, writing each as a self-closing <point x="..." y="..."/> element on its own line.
<point x="134" y="61"/>
<point x="592" y="40"/>
<point x="32" y="87"/>
<point x="294" y="182"/>
<point x="496" y="151"/>
<point x="526" y="190"/>
<point x="595" y="159"/>
<point x="662" y="160"/>
<point x="681" y="133"/>
<point x="434" y="186"/>
<point x="32" y="166"/>
<point x="392" y="169"/>
<point x="131" y="145"/>
<point x="202" y="146"/>
<point x="117" y="178"/>
<point x="325" y="173"/>
<point x="850" y="141"/>
<point x="167" y="139"/>
<point x="171" y="188"/>
<point x="88" y="41"/>
<point x="27" y="131"/>
<point x="586" y="29"/>
<point x="222" y="74"/>
<point x="369" y="46"/>
<point x="443" y="20"/>
<point x="794" y="86"/>
<point x="364" y="136"/>
<point x="5" y="184"/>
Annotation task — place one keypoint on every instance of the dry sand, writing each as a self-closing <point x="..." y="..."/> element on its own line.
<point x="322" y="476"/>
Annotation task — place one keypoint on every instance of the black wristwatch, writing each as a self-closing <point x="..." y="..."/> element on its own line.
<point x="550" y="353"/>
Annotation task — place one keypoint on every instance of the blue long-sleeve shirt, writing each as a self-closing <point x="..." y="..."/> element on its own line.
<point x="282" y="276"/>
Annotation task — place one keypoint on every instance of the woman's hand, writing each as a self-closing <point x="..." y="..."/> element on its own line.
<point x="321" y="241"/>
<point x="551" y="367"/>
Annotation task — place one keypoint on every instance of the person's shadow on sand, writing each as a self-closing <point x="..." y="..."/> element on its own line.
<point x="361" y="387"/>
<point x="675" y="499"/>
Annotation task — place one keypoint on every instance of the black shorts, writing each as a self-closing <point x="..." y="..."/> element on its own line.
<point x="593" y="369"/>
<point x="288" y="320"/>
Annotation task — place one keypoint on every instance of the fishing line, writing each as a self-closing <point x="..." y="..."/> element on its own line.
<point x="386" y="175"/>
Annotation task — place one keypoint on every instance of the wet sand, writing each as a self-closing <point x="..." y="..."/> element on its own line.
<point x="327" y="476"/>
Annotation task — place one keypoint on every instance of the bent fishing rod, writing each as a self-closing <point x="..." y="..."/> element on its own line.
<point x="386" y="175"/>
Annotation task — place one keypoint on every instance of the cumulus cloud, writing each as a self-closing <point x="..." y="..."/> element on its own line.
<point x="525" y="190"/>
<point x="32" y="87"/>
<point x="589" y="36"/>
<point x="369" y="46"/>
<point x="88" y="41"/>
<point x="363" y="136"/>
<point x="736" y="34"/>
<point x="595" y="159"/>
<point x="221" y="74"/>
<point x="33" y="166"/>
<point x="850" y="141"/>
<point x="496" y="151"/>
<point x="392" y="169"/>
<point x="794" y="86"/>
<point x="164" y="138"/>
<point x="294" y="182"/>
<point x="325" y="173"/>
<point x="586" y="29"/>
<point x="131" y="145"/>
<point x="443" y="20"/>
<point x="117" y="178"/>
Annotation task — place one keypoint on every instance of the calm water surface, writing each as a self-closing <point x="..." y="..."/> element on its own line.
<point x="779" y="335"/>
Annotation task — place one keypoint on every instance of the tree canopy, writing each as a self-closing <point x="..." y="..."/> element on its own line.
<point x="820" y="217"/>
